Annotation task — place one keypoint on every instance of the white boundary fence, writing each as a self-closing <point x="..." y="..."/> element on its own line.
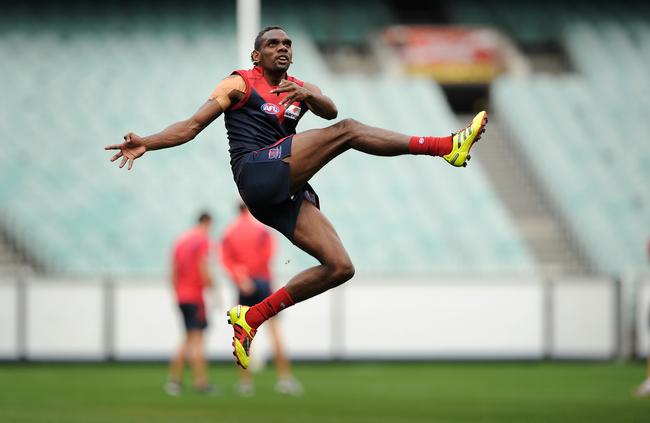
<point x="398" y="318"/>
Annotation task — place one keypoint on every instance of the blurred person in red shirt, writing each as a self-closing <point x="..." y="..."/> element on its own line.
<point x="247" y="249"/>
<point x="190" y="275"/>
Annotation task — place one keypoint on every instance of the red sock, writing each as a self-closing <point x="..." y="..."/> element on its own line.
<point x="433" y="146"/>
<point x="269" y="307"/>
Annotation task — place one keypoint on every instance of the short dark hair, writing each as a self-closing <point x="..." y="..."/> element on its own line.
<point x="205" y="217"/>
<point x="258" y="39"/>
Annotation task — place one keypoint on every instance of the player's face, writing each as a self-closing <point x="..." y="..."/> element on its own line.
<point x="275" y="52"/>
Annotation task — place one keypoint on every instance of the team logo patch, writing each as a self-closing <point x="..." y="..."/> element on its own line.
<point x="270" y="108"/>
<point x="292" y="112"/>
<point x="274" y="153"/>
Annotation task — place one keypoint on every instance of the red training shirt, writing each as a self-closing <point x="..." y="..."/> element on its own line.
<point x="246" y="249"/>
<point x="190" y="250"/>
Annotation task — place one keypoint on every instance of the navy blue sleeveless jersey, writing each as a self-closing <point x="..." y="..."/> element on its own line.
<point x="258" y="121"/>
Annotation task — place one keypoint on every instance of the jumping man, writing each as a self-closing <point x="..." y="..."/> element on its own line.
<point x="272" y="165"/>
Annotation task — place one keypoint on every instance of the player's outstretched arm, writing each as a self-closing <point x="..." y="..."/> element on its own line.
<point x="320" y="104"/>
<point x="179" y="133"/>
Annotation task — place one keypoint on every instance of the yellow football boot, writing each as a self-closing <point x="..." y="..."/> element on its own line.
<point x="243" y="336"/>
<point x="463" y="140"/>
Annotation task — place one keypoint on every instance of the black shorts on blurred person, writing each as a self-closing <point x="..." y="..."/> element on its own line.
<point x="194" y="316"/>
<point x="262" y="290"/>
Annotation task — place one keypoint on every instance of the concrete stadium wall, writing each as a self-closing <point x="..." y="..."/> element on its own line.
<point x="457" y="318"/>
<point x="642" y="317"/>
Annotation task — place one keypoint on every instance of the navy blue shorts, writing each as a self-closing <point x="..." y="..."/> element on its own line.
<point x="262" y="290"/>
<point x="194" y="316"/>
<point x="264" y="186"/>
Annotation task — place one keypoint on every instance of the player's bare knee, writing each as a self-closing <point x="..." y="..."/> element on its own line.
<point x="348" y="128"/>
<point x="342" y="272"/>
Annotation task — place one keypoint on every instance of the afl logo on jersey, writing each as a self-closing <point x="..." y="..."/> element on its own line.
<point x="270" y="108"/>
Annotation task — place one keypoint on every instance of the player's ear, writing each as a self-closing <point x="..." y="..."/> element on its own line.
<point x="255" y="57"/>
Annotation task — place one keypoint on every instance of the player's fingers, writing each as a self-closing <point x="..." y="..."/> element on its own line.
<point x="130" y="163"/>
<point x="280" y="90"/>
<point x="113" y="147"/>
<point x="288" y="100"/>
<point x="117" y="156"/>
<point x="123" y="162"/>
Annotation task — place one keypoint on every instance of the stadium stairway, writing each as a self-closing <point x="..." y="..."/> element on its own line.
<point x="542" y="227"/>
<point x="570" y="127"/>
<point x="605" y="201"/>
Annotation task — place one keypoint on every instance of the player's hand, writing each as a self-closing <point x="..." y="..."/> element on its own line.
<point x="208" y="283"/>
<point x="132" y="148"/>
<point x="247" y="286"/>
<point x="294" y="92"/>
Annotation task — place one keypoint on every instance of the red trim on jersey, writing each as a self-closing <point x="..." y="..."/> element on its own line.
<point x="254" y="79"/>
<point x="276" y="143"/>
<point x="248" y="90"/>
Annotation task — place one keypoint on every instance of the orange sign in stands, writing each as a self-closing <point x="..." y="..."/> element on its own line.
<point x="451" y="55"/>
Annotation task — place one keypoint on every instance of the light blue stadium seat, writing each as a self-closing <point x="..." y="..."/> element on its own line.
<point x="575" y="140"/>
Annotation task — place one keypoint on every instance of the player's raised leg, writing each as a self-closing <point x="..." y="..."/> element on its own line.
<point x="315" y="235"/>
<point x="313" y="149"/>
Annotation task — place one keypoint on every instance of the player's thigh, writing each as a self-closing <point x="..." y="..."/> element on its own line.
<point x="195" y="337"/>
<point x="315" y="235"/>
<point x="313" y="149"/>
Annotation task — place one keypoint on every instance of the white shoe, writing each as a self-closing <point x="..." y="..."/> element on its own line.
<point x="245" y="389"/>
<point x="173" y="388"/>
<point x="289" y="386"/>
<point x="208" y="389"/>
<point x="644" y="389"/>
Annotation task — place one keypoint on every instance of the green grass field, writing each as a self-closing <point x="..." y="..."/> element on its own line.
<point x="409" y="392"/>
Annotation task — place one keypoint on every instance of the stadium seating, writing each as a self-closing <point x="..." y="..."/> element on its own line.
<point x="70" y="92"/>
<point x="529" y="22"/>
<point x="335" y="21"/>
<point x="579" y="133"/>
